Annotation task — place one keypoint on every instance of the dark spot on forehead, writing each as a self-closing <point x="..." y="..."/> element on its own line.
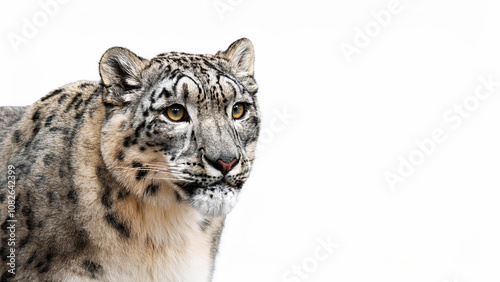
<point x="166" y="93"/>
<point x="185" y="90"/>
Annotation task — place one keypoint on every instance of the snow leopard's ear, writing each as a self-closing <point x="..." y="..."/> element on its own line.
<point x="121" y="71"/>
<point x="240" y="55"/>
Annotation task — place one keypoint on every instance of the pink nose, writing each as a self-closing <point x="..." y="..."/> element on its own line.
<point x="225" y="167"/>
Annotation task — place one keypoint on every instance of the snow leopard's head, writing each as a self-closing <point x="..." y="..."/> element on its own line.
<point x="181" y="126"/>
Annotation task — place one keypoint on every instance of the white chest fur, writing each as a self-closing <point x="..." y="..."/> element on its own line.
<point x="172" y="247"/>
<point x="164" y="245"/>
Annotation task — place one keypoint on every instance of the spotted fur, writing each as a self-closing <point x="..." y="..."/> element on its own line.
<point x="108" y="188"/>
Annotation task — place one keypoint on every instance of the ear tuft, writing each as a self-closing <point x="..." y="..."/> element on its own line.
<point x="120" y="71"/>
<point x="240" y="55"/>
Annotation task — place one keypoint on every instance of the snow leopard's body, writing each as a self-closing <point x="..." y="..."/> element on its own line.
<point x="107" y="185"/>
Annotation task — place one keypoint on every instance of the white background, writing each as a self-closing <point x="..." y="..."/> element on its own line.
<point x="333" y="124"/>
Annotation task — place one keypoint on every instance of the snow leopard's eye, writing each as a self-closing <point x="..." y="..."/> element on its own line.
<point x="239" y="110"/>
<point x="176" y="112"/>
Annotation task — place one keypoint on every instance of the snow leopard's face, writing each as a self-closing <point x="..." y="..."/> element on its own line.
<point x="192" y="123"/>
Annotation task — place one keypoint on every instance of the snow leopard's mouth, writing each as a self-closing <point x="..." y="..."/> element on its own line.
<point x="195" y="188"/>
<point x="219" y="190"/>
<point x="216" y="199"/>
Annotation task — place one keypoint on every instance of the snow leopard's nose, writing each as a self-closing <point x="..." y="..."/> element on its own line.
<point x="223" y="166"/>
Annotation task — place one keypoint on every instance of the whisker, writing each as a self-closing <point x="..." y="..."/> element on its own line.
<point x="135" y="169"/>
<point x="164" y="178"/>
<point x="162" y="166"/>
<point x="175" y="172"/>
<point x="144" y="168"/>
<point x="132" y="168"/>
<point x="161" y="163"/>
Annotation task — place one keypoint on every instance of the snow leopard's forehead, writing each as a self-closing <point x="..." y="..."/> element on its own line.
<point x="171" y="64"/>
<point x="201" y="83"/>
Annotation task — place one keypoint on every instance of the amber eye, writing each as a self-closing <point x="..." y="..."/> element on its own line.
<point x="176" y="113"/>
<point x="238" y="110"/>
